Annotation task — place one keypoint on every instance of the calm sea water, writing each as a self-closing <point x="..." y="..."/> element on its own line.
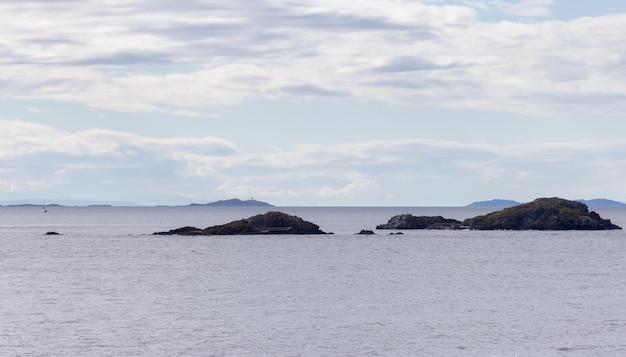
<point x="106" y="287"/>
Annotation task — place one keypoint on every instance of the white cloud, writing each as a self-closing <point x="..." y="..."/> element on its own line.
<point x="19" y="139"/>
<point x="187" y="113"/>
<point x="530" y="8"/>
<point x="37" y="110"/>
<point x="101" y="161"/>
<point x="353" y="189"/>
<point x="135" y="57"/>
<point x="525" y="7"/>
<point x="395" y="12"/>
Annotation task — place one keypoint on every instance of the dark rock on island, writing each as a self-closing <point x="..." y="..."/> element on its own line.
<point x="268" y="223"/>
<point x="408" y="221"/>
<point x="542" y="214"/>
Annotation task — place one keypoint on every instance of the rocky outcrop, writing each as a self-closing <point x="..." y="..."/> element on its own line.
<point x="542" y="214"/>
<point x="408" y="221"/>
<point x="268" y="223"/>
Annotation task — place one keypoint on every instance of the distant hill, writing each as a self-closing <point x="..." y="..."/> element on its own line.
<point x="602" y="203"/>
<point x="235" y="202"/>
<point x="35" y="205"/>
<point x="37" y="202"/>
<point x="496" y="203"/>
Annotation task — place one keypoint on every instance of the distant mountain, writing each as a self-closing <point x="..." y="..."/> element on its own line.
<point x="602" y="203"/>
<point x="235" y="202"/>
<point x="496" y="203"/>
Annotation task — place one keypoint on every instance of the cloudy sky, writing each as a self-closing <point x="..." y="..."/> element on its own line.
<point x="312" y="102"/>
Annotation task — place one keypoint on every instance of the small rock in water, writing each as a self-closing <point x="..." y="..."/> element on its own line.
<point x="52" y="234"/>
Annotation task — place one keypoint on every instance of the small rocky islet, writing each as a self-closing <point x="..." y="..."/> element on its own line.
<point x="409" y="221"/>
<point x="540" y="214"/>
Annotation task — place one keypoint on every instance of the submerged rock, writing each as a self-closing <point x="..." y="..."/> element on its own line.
<point x="542" y="214"/>
<point x="268" y="223"/>
<point x="366" y="232"/>
<point x="52" y="234"/>
<point x="408" y="221"/>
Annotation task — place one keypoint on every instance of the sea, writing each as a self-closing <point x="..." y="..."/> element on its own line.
<point x="105" y="286"/>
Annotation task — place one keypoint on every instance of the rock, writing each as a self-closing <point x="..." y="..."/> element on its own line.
<point x="52" y="234"/>
<point x="268" y="223"/>
<point x="542" y="214"/>
<point x="366" y="232"/>
<point x="184" y="231"/>
<point x="408" y="221"/>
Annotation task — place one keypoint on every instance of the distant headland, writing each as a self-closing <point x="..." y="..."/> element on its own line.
<point x="602" y="203"/>
<point x="495" y="203"/>
<point x="235" y="202"/>
<point x="50" y="205"/>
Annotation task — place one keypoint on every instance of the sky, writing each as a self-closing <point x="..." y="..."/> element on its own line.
<point x="313" y="102"/>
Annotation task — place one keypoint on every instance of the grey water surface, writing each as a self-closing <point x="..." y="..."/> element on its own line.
<point x="107" y="287"/>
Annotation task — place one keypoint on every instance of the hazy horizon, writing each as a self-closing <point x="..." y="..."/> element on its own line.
<point x="84" y="203"/>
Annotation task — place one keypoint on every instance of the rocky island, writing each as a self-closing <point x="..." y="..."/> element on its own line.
<point x="540" y="214"/>
<point x="543" y="214"/>
<point x="408" y="221"/>
<point x="267" y="223"/>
